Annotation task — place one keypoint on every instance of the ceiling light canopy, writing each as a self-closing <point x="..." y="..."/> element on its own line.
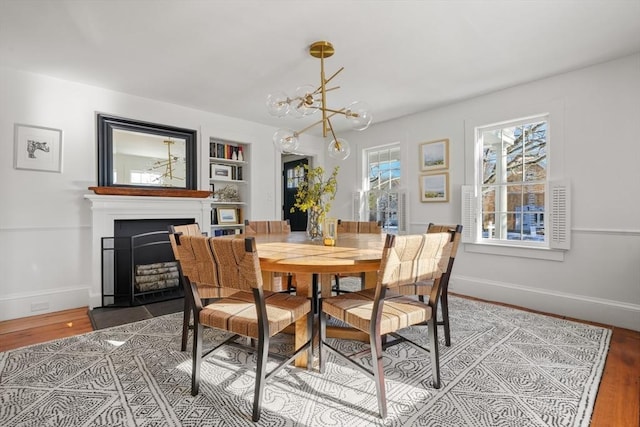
<point x="307" y="100"/>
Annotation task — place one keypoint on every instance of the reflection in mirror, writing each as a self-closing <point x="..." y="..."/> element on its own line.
<point x="140" y="154"/>
<point x="146" y="159"/>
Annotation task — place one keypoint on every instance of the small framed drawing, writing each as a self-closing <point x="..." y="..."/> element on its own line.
<point x="434" y="155"/>
<point x="37" y="148"/>
<point x="227" y="216"/>
<point x="434" y="187"/>
<point x="221" y="172"/>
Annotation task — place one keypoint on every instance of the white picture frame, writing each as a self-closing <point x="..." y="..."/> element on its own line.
<point x="221" y="172"/>
<point x="37" y="148"/>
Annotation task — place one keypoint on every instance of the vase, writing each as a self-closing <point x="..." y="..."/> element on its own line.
<point x="314" y="223"/>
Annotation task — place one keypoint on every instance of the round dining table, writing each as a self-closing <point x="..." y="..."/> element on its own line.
<point x="314" y="265"/>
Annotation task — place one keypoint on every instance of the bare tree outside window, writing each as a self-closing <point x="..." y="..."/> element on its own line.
<point x="514" y="180"/>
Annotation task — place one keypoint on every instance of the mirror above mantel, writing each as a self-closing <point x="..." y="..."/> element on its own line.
<point x="136" y="157"/>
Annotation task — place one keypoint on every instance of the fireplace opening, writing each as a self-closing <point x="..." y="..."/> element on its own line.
<point x="138" y="266"/>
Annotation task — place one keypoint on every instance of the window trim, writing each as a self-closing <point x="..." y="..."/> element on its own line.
<point x="554" y="111"/>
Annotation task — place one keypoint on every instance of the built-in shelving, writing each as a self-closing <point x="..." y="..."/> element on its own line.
<point x="228" y="169"/>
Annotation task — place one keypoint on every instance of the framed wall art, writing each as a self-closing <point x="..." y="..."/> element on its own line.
<point x="434" y="187"/>
<point x="221" y="172"/>
<point x="434" y="155"/>
<point x="37" y="148"/>
<point x="227" y="216"/>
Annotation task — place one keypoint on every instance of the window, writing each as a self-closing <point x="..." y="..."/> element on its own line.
<point x="144" y="177"/>
<point x="382" y="182"/>
<point x="513" y="202"/>
<point x="513" y="180"/>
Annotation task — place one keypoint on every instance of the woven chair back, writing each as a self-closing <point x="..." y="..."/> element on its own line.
<point x="186" y="230"/>
<point x="236" y="262"/>
<point x="196" y="261"/>
<point x="267" y="227"/>
<point x="413" y="258"/>
<point x="455" y="230"/>
<point x="279" y="227"/>
<point x="359" y="227"/>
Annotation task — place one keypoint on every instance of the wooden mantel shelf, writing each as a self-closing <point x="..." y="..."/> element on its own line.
<point x="156" y="192"/>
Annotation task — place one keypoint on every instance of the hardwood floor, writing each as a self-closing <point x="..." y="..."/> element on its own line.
<point x="617" y="403"/>
<point x="45" y="327"/>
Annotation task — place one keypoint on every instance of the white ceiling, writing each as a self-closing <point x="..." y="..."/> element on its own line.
<point x="400" y="56"/>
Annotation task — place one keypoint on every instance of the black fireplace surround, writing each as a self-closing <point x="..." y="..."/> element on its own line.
<point x="140" y="247"/>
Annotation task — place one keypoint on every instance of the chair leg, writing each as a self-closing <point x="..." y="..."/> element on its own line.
<point x="261" y="371"/>
<point x="185" y="324"/>
<point x="197" y="358"/>
<point x="378" y="372"/>
<point x="336" y="288"/>
<point x="444" y="304"/>
<point x="434" y="352"/>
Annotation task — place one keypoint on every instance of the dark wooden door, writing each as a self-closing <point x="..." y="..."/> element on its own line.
<point x="290" y="179"/>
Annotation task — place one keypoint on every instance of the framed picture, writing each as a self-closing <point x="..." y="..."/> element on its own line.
<point x="434" y="155"/>
<point x="37" y="148"/>
<point x="221" y="172"/>
<point x="227" y="216"/>
<point x="434" y="187"/>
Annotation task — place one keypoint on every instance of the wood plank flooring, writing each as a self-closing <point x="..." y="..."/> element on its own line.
<point x="617" y="403"/>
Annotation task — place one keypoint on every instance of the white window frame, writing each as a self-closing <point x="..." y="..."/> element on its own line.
<point x="557" y="192"/>
<point x="361" y="199"/>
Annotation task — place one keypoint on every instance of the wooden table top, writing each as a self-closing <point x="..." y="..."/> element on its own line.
<point x="294" y="253"/>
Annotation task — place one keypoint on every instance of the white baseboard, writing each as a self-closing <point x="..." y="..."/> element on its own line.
<point x="16" y="306"/>
<point x="608" y="312"/>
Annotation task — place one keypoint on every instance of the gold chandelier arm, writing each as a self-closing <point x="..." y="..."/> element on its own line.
<point x="335" y="138"/>
<point x="319" y="90"/>
<point x="333" y="75"/>
<point x="340" y="111"/>
<point x="315" y="123"/>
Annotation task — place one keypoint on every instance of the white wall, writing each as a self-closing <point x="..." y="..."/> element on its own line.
<point x="45" y="247"/>
<point x="45" y="253"/>
<point x="599" y="279"/>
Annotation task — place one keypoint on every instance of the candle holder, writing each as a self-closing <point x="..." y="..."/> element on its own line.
<point x="330" y="231"/>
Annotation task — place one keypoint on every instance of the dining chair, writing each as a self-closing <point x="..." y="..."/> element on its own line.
<point x="382" y="311"/>
<point x="422" y="289"/>
<point x="372" y="227"/>
<point x="256" y="227"/>
<point x="272" y="227"/>
<point x="207" y="289"/>
<point x="251" y="312"/>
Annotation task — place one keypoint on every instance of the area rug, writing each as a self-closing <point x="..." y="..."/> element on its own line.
<point x="505" y="367"/>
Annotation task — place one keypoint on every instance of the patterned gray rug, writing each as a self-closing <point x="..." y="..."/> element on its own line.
<point x="505" y="368"/>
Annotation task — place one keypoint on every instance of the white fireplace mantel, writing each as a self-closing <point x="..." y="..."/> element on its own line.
<point x="106" y="209"/>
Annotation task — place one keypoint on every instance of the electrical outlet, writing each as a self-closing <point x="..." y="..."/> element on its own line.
<point x="39" y="306"/>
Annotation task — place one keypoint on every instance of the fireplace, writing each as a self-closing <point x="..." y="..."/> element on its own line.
<point x="108" y="210"/>
<point x="138" y="266"/>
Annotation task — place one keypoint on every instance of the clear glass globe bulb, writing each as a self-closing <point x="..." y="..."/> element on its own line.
<point x="339" y="149"/>
<point x="286" y="140"/>
<point x="358" y="115"/>
<point x="304" y="103"/>
<point x="278" y="104"/>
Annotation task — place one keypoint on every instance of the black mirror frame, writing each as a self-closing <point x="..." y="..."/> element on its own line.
<point x="105" y="126"/>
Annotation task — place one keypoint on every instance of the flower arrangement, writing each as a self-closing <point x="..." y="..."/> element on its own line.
<point x="315" y="194"/>
<point x="315" y="190"/>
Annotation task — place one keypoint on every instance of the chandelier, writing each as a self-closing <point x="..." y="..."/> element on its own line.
<point x="307" y="100"/>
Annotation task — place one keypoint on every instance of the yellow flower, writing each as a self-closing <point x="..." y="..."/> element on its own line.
<point x="314" y="190"/>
